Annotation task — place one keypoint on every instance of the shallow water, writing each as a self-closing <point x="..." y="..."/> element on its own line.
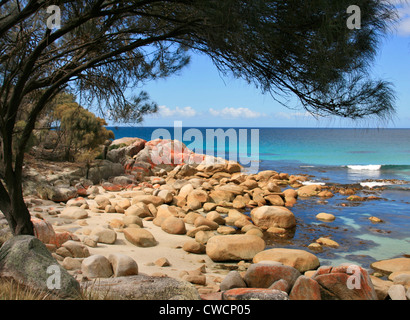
<point x="360" y="157"/>
<point x="361" y="241"/>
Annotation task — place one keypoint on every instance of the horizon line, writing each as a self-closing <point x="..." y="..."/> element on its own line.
<point x="253" y="127"/>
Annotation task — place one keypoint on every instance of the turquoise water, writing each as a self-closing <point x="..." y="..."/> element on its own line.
<point x="314" y="146"/>
<point x="380" y="157"/>
<point x="337" y="146"/>
<point x="382" y="153"/>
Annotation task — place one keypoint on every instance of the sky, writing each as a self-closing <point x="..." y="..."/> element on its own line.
<point x="200" y="96"/>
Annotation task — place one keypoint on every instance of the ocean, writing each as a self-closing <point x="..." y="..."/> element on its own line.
<point x="376" y="160"/>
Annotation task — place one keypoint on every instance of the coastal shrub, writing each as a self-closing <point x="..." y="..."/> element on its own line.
<point x="70" y="132"/>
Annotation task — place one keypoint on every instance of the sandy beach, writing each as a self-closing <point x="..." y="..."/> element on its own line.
<point x="168" y="246"/>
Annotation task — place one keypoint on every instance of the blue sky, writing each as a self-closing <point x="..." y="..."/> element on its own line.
<point x="200" y="96"/>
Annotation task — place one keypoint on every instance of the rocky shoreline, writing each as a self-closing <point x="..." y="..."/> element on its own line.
<point x="196" y="223"/>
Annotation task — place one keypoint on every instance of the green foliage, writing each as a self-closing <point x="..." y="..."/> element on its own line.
<point x="18" y="129"/>
<point x="304" y="49"/>
<point x="80" y="133"/>
<point x="287" y="48"/>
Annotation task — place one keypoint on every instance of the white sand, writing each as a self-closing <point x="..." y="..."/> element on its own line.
<point x="169" y="246"/>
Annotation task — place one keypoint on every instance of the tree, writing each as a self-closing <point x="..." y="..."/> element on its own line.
<point x="105" y="47"/>
<point x="78" y="131"/>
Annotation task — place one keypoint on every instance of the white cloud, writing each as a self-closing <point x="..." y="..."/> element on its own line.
<point x="165" y="112"/>
<point x="292" y="115"/>
<point x="404" y="27"/>
<point x="235" y="113"/>
<point x="403" y="8"/>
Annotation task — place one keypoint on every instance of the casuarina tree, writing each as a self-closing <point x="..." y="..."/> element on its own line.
<point x="98" y="49"/>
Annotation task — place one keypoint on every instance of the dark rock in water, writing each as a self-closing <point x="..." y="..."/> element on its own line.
<point x="355" y="198"/>
<point x="362" y="259"/>
<point x="27" y="260"/>
<point x="379" y="231"/>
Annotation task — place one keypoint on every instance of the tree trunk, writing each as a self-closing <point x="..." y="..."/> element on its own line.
<point x="14" y="208"/>
<point x="11" y="191"/>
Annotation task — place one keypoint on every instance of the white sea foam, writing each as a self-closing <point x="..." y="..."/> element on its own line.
<point x="372" y="184"/>
<point x="370" y="167"/>
<point x="309" y="183"/>
<point x="381" y="183"/>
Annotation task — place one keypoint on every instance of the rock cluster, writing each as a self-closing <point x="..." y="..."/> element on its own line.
<point x="117" y="265"/>
<point x="211" y="207"/>
<point x="277" y="281"/>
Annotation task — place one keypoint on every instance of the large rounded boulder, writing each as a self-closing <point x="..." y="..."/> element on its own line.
<point x="234" y="247"/>
<point x="266" y="217"/>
